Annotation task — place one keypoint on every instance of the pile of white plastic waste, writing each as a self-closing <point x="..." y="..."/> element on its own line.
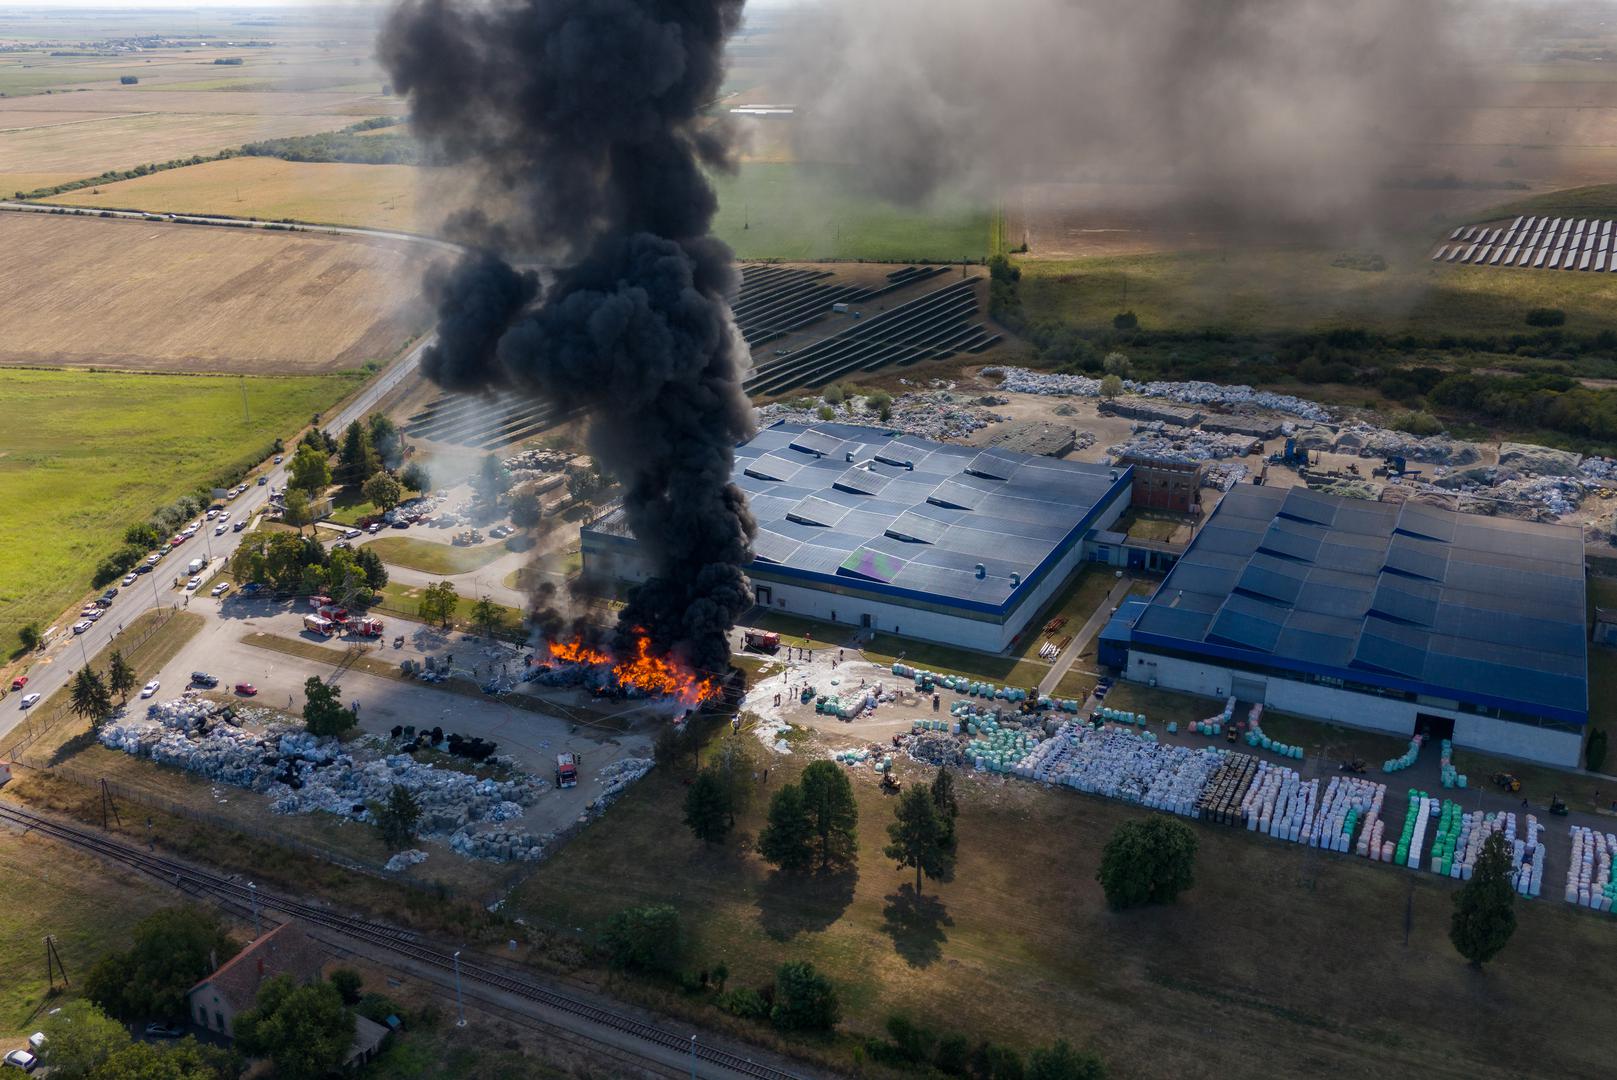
<point x="1350" y="803"/>
<point x="1120" y="764"/>
<point x="300" y="773"/>
<point x="1183" y="448"/>
<point x="1021" y="380"/>
<point x="405" y="859"/>
<point x="1589" y="881"/>
<point x="935" y="414"/>
<point x="496" y="844"/>
<point x="617" y="778"/>
<point x="1367" y="440"/>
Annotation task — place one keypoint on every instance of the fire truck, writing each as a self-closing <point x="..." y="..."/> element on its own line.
<point x="365" y="626"/>
<point x="760" y="640"/>
<point x="319" y="624"/>
<point x="566" y="770"/>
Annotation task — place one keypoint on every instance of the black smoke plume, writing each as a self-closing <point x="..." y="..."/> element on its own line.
<point x="580" y="122"/>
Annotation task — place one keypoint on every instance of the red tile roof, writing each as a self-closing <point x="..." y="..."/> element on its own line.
<point x="286" y="950"/>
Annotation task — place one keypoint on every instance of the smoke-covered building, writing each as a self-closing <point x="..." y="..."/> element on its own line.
<point x="1375" y="615"/>
<point x="857" y="525"/>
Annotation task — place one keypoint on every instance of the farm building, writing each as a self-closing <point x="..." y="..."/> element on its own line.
<point x="857" y="525"/>
<point x="1394" y="618"/>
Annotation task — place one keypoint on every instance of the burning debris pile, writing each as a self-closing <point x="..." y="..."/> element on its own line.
<point x="640" y="674"/>
<point x="1020" y="380"/>
<point x="583" y="127"/>
<point x="302" y="774"/>
<point x="932" y="414"/>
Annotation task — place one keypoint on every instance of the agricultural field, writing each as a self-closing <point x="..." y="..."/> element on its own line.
<point x="1020" y="947"/>
<point x="100" y="450"/>
<point x="328" y="193"/>
<point x="1297" y="289"/>
<point x="795" y="211"/>
<point x="159" y="296"/>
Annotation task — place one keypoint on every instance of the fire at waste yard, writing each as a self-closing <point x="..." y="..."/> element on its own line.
<point x="640" y="674"/>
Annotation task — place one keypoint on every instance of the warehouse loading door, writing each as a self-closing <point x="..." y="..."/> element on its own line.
<point x="1248" y="690"/>
<point x="1435" y="727"/>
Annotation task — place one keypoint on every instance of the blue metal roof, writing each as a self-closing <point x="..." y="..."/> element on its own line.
<point x="1476" y="609"/>
<point x="895" y="515"/>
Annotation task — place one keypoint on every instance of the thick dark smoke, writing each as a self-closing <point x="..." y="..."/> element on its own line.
<point x="1294" y="110"/>
<point x="580" y="120"/>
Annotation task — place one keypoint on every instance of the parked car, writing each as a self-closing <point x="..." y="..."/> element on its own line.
<point x="190" y="586"/>
<point x="219" y="529"/>
<point x="246" y="689"/>
<point x="212" y="513"/>
<point x="375" y="527"/>
<point x="81" y="626"/>
<point x="352" y="534"/>
<point x="22" y="1059"/>
<point x="220" y="589"/>
<point x="262" y="480"/>
<point x="144" y="568"/>
<point x="202" y="678"/>
<point x="30" y="700"/>
<point x="164" y="1031"/>
<point x="129" y="579"/>
<point x="401" y="524"/>
<point x="250" y="588"/>
<point x="93" y="613"/>
<point x="277" y="459"/>
<point x="238" y="526"/>
<point x="149" y="689"/>
<point x="19" y="682"/>
<point x="112" y="590"/>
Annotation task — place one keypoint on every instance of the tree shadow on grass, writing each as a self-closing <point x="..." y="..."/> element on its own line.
<point x="792" y="904"/>
<point x="915" y="923"/>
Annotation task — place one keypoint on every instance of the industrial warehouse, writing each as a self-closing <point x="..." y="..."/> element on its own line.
<point x="866" y="527"/>
<point x="1394" y="618"/>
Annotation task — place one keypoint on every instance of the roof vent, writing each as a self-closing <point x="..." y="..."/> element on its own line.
<point x="910" y="465"/>
<point x="1016" y="579"/>
<point x="1114" y="475"/>
<point x="849" y="455"/>
<point x="982" y="571"/>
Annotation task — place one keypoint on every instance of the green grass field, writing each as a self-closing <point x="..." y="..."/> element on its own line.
<point x="431" y="557"/>
<point x="1281" y="961"/>
<point x="86" y="454"/>
<point x="810" y="212"/>
<point x="1298" y="290"/>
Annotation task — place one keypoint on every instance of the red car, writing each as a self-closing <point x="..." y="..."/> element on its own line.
<point x="246" y="689"/>
<point x="19" y="682"/>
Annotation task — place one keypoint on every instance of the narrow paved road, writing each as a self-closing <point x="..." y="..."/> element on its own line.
<point x="1095" y="623"/>
<point x="64" y="655"/>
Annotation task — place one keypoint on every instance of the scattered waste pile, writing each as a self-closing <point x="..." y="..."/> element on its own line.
<point x="1539" y="460"/>
<point x="536" y="461"/>
<point x="1224" y="475"/>
<point x="1589" y="880"/>
<point x="934" y="748"/>
<point x="1152" y="442"/>
<point x="1367" y="440"/>
<point x="930" y="414"/>
<point x="301" y="773"/>
<point x="615" y="779"/>
<point x="406" y="859"/>
<point x="1019" y="380"/>
<point x="1120" y="764"/>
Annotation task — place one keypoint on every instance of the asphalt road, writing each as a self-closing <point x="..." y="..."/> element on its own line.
<point x="68" y="652"/>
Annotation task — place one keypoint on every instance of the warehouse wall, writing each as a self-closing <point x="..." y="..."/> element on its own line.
<point x="1352" y="709"/>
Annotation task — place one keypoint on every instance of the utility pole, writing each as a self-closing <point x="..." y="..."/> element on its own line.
<point x="245" y="415"/>
<point x="107" y="805"/>
<point x="252" y="890"/>
<point x="53" y="964"/>
<point x="460" y="1008"/>
<point x="693" y="1057"/>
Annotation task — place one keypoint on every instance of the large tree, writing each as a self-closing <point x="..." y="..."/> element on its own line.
<point x="1147" y="862"/>
<point x="707" y="807"/>
<point x="90" y="697"/>
<point x="805" y="1000"/>
<point x="644" y="938"/>
<point x="358" y="460"/>
<point x="492" y="479"/>
<point x="525" y="513"/>
<point x="184" y="1060"/>
<point x="309" y="471"/>
<point x="397" y="818"/>
<point x="372" y="566"/>
<point x="921" y="837"/>
<point x="323" y="713"/>
<point x="786" y="839"/>
<point x="304" y="1030"/>
<point x="1485" y="907"/>
<point x="438" y="603"/>
<point x="1060" y="1061"/>
<point x="78" y="1038"/>
<point x="832" y="812"/>
<point x="385" y="438"/>
<point x="383" y="491"/>
<point x="120" y="676"/>
<point x="298" y="510"/>
<point x="416" y="477"/>
<point x="488" y="616"/>
<point x="173" y="949"/>
<point x="735" y="768"/>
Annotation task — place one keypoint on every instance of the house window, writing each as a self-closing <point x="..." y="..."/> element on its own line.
<point x="221" y="1018"/>
<point x="202" y="1015"/>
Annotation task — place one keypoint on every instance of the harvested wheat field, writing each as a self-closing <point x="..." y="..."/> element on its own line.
<point x="160" y="296"/>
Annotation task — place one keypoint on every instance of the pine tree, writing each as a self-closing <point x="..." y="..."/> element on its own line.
<point x="707" y="808"/>
<point x="1485" y="908"/>
<point x="398" y="817"/>
<point x="90" y="697"/>
<point x="833" y="814"/>
<point x="921" y="837"/>
<point x="120" y="676"/>
<point x="787" y="839"/>
<point x="358" y="461"/>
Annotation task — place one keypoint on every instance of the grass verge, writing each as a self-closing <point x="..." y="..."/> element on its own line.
<point x="431" y="557"/>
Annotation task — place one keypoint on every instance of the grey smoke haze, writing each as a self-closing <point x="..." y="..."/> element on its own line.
<point x="581" y="121"/>
<point x="1298" y="109"/>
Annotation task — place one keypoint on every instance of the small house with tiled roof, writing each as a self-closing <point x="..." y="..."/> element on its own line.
<point x="286" y="950"/>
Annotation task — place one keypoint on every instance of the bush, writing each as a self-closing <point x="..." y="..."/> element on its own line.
<point x="1147" y="862"/>
<point x="1546" y="316"/>
<point x="954" y="1055"/>
<point x="832" y="395"/>
<point x="1125" y="320"/>
<point x="644" y="939"/>
<point x="1594" y="754"/>
<point x="743" y="1002"/>
<point x="1062" y="1062"/>
<point x="1417" y="422"/>
<point x="805" y="1000"/>
<point x="128" y="80"/>
<point x="348" y="984"/>
<point x="911" y="1041"/>
<point x="827" y="413"/>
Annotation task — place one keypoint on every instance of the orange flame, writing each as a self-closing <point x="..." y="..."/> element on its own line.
<point x="644" y="672"/>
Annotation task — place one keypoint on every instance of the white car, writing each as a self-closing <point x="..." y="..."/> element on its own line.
<point x="22" y="1059"/>
<point x="376" y="527"/>
<point x="190" y="586"/>
<point x="29" y="700"/>
<point x="94" y="614"/>
<point x="212" y="513"/>
<point x="149" y="689"/>
<point x="129" y="579"/>
<point x="81" y="626"/>
<point x="225" y="516"/>
<point x="220" y="589"/>
<point x="219" y="529"/>
<point x="352" y="534"/>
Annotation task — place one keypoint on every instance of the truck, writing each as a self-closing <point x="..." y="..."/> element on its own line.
<point x="317" y="624"/>
<point x="338" y="615"/>
<point x="760" y="640"/>
<point x="566" y="770"/>
<point x="196" y="565"/>
<point x="365" y="626"/>
<point x="318" y="602"/>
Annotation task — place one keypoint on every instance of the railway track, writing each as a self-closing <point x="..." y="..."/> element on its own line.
<point x="242" y="897"/>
